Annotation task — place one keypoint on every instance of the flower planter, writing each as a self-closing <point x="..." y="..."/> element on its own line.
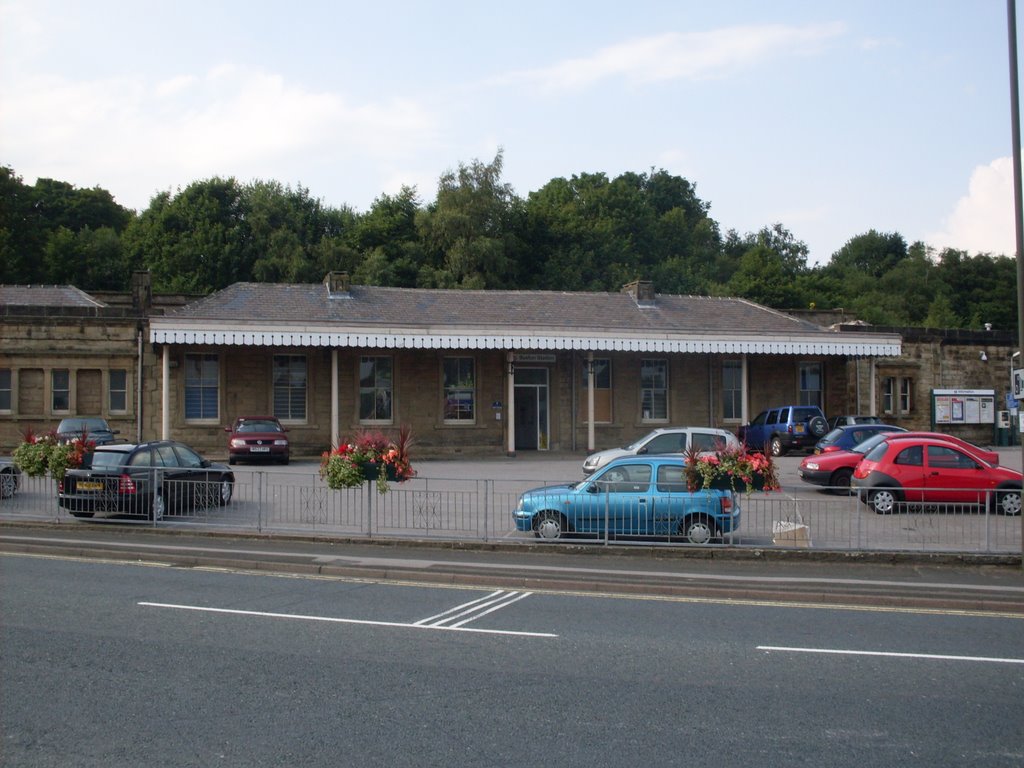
<point x="371" y="471"/>
<point x="734" y="483"/>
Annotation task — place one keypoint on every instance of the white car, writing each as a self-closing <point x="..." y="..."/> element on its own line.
<point x="666" y="440"/>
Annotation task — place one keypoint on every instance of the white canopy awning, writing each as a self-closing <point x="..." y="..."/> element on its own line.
<point x="825" y="343"/>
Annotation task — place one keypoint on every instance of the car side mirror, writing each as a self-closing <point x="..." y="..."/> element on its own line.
<point x="642" y="451"/>
<point x="592" y="488"/>
<point x="227" y="429"/>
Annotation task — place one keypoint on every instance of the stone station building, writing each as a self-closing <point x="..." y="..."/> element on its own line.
<point x="470" y="372"/>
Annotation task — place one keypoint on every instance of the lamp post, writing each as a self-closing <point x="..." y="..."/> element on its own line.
<point x="1018" y="205"/>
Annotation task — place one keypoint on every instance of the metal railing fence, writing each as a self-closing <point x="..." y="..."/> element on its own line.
<point x="481" y="510"/>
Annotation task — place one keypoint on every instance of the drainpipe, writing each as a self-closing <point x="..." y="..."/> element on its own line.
<point x="510" y="422"/>
<point x="138" y="391"/>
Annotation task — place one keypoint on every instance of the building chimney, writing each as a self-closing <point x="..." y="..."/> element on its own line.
<point x="142" y="291"/>
<point x="642" y="292"/>
<point x="337" y="283"/>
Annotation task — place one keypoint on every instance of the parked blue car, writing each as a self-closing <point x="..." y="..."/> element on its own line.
<point x="632" y="496"/>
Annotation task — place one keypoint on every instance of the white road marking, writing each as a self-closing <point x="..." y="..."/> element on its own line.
<point x="474" y="609"/>
<point x="333" y="620"/>
<point x="892" y="654"/>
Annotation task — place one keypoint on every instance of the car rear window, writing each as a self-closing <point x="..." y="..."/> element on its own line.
<point x="876" y="453"/>
<point x="803" y="414"/>
<point x="108" y="459"/>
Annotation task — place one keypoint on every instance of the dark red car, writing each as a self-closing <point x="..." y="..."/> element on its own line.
<point x="930" y="470"/>
<point x="257" y="438"/>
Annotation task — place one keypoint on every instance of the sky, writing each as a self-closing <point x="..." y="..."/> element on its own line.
<point x="829" y="118"/>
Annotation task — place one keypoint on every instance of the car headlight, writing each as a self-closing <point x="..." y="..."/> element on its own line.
<point x="237" y="442"/>
<point x="811" y="465"/>
<point x="280" y="442"/>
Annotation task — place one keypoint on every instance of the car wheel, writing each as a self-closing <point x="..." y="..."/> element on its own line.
<point x="549" y="525"/>
<point x="232" y="460"/>
<point x="883" y="500"/>
<point x="840" y="481"/>
<point x="227" y="489"/>
<point x="1008" y="502"/>
<point x="698" y="530"/>
<point x="8" y="484"/>
<point x="158" y="509"/>
<point x="818" y="426"/>
<point x="776" y="447"/>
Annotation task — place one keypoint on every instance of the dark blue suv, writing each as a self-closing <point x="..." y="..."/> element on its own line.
<point x="785" y="428"/>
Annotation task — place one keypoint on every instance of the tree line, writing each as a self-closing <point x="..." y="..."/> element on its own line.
<point x="586" y="233"/>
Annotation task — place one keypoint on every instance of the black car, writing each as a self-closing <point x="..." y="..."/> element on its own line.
<point x="95" y="430"/>
<point x="10" y="478"/>
<point x="158" y="478"/>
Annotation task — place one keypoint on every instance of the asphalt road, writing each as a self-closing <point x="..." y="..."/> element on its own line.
<point x="129" y="664"/>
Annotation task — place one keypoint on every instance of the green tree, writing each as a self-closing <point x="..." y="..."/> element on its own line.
<point x="468" y="226"/>
<point x="872" y="253"/>
<point x="194" y="242"/>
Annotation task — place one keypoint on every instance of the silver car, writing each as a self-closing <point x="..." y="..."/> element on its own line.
<point x="666" y="440"/>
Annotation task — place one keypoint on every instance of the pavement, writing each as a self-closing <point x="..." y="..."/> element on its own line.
<point x="934" y="583"/>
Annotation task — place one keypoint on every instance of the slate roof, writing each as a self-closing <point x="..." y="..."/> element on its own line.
<point x="46" y="296"/>
<point x="376" y="307"/>
<point x="263" y="314"/>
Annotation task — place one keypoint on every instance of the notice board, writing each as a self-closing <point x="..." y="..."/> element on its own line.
<point x="963" y="406"/>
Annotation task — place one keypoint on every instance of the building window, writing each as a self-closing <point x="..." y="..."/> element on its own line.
<point x="654" y="390"/>
<point x="60" y="391"/>
<point x="118" y="391"/>
<point x="602" y="392"/>
<point x="906" y="400"/>
<point x="202" y="385"/>
<point x="810" y="384"/>
<point x="290" y="387"/>
<point x="5" y="390"/>
<point x="375" y="383"/>
<point x="732" y="390"/>
<point x="888" y="394"/>
<point x="459" y="390"/>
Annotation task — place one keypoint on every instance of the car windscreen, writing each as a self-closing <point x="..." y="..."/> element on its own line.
<point x="108" y="459"/>
<point x="259" y="426"/>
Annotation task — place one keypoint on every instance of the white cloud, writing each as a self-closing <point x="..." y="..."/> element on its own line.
<point x="982" y="221"/>
<point x="684" y="56"/>
<point x="134" y="136"/>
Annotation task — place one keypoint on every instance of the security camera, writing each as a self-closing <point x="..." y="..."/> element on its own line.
<point x="988" y="326"/>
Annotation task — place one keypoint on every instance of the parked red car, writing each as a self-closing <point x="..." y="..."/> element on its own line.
<point x="257" y="438"/>
<point x="834" y="469"/>
<point x="930" y="470"/>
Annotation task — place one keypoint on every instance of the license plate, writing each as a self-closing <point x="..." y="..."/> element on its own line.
<point x="89" y="485"/>
<point x="259" y="449"/>
<point x="798" y="428"/>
